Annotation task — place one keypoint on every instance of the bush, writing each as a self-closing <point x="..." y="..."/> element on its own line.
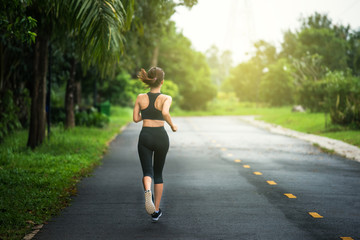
<point x="198" y="92"/>
<point x="57" y="115"/>
<point x="311" y="95"/>
<point x="337" y="93"/>
<point x="116" y="90"/>
<point x="342" y="98"/>
<point x="172" y="89"/>
<point x="8" y="114"/>
<point x="90" y="117"/>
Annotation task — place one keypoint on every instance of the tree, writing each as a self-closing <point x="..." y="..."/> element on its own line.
<point x="246" y="77"/>
<point x="16" y="38"/>
<point x="219" y="63"/>
<point x="226" y="61"/>
<point x="277" y="84"/>
<point x="245" y="80"/>
<point x="317" y="47"/>
<point x="354" y="52"/>
<point x="16" y="28"/>
<point x="98" y="25"/>
<point x="318" y="35"/>
<point x="109" y="37"/>
<point x="325" y="43"/>
<point x="148" y="27"/>
<point x="187" y="68"/>
<point x="316" y="21"/>
<point x="212" y="56"/>
<point x="265" y="53"/>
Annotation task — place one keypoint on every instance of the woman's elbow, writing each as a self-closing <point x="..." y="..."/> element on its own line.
<point x="136" y="119"/>
<point x="165" y="114"/>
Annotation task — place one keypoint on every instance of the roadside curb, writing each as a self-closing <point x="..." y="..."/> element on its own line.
<point x="339" y="147"/>
<point x="36" y="229"/>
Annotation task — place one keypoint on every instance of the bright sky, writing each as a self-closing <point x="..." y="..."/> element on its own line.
<point x="234" y="24"/>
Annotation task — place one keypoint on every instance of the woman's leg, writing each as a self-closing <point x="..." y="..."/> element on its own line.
<point x="145" y="158"/>
<point x="145" y="155"/>
<point x="159" y="161"/>
<point x="158" y="194"/>
<point x="147" y="183"/>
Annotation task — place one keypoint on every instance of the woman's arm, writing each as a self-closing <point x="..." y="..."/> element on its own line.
<point x="136" y="113"/>
<point x="166" y="113"/>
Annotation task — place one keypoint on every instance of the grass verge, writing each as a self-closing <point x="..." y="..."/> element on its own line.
<point x="326" y="150"/>
<point x="34" y="185"/>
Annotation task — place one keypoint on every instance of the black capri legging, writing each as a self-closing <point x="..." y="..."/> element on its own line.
<point x="153" y="140"/>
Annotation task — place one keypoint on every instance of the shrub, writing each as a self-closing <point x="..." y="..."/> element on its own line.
<point x="115" y="89"/>
<point x="90" y="117"/>
<point x="8" y="114"/>
<point x="57" y="115"/>
<point x="342" y="98"/>
<point x="170" y="88"/>
<point x="311" y="95"/>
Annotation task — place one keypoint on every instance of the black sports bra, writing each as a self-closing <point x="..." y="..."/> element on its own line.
<point x="151" y="112"/>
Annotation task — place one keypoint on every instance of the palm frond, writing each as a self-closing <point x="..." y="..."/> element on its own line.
<point x="101" y="25"/>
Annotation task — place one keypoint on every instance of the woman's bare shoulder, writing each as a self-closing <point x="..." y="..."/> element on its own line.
<point x="166" y="97"/>
<point x="141" y="95"/>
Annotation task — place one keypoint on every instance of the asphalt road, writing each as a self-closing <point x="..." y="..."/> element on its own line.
<point x="211" y="191"/>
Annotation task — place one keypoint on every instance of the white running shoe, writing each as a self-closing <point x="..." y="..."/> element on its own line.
<point x="149" y="205"/>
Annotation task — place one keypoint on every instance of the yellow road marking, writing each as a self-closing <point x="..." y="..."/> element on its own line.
<point x="223" y="149"/>
<point x="271" y="182"/>
<point x="289" y="195"/>
<point x="229" y="155"/>
<point x="315" y="215"/>
<point x="257" y="173"/>
<point x="237" y="160"/>
<point x="246" y="166"/>
<point x="346" y="238"/>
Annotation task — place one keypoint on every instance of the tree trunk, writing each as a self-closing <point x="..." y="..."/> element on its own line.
<point x="95" y="93"/>
<point x="69" y="97"/>
<point x="38" y="95"/>
<point x="155" y="56"/>
<point x="2" y="65"/>
<point x="78" y="93"/>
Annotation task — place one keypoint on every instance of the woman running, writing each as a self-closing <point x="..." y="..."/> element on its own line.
<point x="153" y="108"/>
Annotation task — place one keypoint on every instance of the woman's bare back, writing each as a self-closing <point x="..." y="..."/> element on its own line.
<point x="159" y="103"/>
